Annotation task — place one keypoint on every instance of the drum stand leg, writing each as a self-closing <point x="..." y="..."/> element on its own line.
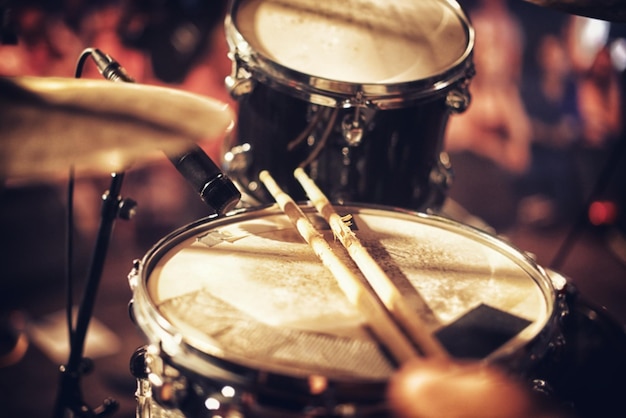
<point x="69" y="397"/>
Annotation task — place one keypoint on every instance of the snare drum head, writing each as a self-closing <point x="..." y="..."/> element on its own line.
<point x="248" y="290"/>
<point x="356" y="41"/>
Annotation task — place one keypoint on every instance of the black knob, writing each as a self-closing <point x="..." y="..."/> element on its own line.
<point x="138" y="364"/>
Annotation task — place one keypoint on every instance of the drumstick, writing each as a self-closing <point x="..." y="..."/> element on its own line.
<point x="375" y="275"/>
<point x="385" y="329"/>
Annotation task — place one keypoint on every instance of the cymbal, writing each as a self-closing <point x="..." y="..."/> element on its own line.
<point x="609" y="10"/>
<point x="49" y="124"/>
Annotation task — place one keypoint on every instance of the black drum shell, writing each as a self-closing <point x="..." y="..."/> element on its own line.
<point x="289" y="118"/>
<point x="397" y="163"/>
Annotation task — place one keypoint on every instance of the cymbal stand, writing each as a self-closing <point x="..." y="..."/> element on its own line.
<point x="70" y="396"/>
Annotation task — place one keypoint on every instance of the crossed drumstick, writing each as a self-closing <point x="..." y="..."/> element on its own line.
<point x="394" y="324"/>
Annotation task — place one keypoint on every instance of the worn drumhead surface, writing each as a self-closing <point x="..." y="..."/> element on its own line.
<point x="250" y="290"/>
<point x="358" y="41"/>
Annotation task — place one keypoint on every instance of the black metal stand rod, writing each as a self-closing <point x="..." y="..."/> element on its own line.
<point x="69" y="396"/>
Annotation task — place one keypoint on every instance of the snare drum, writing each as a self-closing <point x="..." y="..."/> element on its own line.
<point x="243" y="319"/>
<point x="357" y="92"/>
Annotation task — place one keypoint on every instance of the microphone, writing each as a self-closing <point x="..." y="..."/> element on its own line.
<point x="213" y="186"/>
<point x="109" y="68"/>
<point x="206" y="178"/>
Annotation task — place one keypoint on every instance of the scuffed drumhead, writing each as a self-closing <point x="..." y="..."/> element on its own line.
<point x="249" y="290"/>
<point x="357" y="41"/>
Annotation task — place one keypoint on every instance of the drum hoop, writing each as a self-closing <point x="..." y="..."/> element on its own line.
<point x="333" y="93"/>
<point x="188" y="352"/>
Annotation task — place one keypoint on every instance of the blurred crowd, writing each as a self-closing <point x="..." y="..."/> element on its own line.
<point x="545" y="117"/>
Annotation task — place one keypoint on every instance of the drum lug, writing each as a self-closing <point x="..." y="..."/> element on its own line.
<point x="237" y="160"/>
<point x="441" y="175"/>
<point x="352" y="129"/>
<point x="441" y="178"/>
<point x="565" y="293"/>
<point x="133" y="275"/>
<point x="236" y="163"/>
<point x="458" y="99"/>
<point x="240" y="82"/>
<point x="353" y="125"/>
<point x="542" y="387"/>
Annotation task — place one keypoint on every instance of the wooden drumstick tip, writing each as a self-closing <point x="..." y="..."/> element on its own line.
<point x="384" y="287"/>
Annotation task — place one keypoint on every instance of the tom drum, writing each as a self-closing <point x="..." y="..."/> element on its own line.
<point x="357" y="92"/>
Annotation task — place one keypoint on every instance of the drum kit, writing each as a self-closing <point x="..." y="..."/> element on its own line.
<point x="241" y="318"/>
